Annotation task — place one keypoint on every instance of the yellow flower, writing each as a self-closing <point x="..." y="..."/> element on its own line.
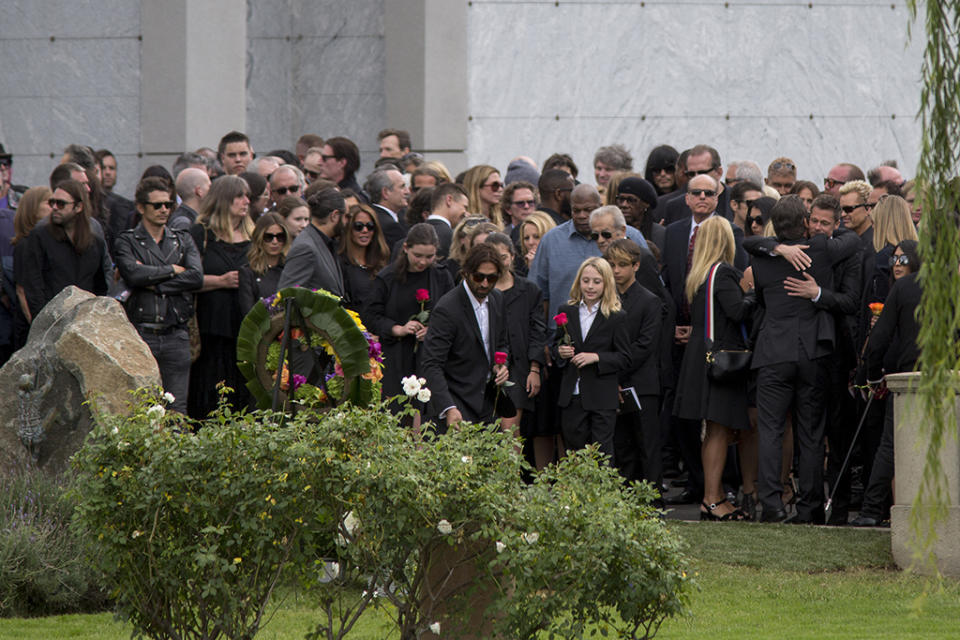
<point x="356" y="319"/>
<point x="237" y="560"/>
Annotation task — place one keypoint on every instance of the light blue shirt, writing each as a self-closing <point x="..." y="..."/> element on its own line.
<point x="561" y="252"/>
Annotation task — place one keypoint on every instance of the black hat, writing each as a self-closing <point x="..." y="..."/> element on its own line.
<point x="4" y="155"/>
<point x="640" y="188"/>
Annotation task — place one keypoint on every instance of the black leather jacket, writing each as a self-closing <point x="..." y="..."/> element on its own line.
<point x="158" y="296"/>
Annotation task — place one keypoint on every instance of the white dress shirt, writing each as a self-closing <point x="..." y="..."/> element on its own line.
<point x="587" y="316"/>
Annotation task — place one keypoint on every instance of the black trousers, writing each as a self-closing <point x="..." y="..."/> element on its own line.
<point x="779" y="386"/>
<point x="840" y="421"/>
<point x="877" y="495"/>
<point x="686" y="434"/>
<point x="582" y="427"/>
<point x="639" y="453"/>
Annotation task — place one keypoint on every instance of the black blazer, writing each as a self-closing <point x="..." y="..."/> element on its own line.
<point x="526" y="332"/>
<point x="392" y="230"/>
<point x="674" y="257"/>
<point x="445" y="233"/>
<point x="454" y="362"/>
<point x="786" y="316"/>
<point x="644" y="319"/>
<point x="609" y="339"/>
<point x="897" y="326"/>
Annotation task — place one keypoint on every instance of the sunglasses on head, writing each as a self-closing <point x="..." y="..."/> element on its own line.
<point x="597" y="234"/>
<point x="696" y="193"/>
<point x="282" y="191"/>
<point x="363" y="226"/>
<point x="57" y="203"/>
<point x="489" y="277"/>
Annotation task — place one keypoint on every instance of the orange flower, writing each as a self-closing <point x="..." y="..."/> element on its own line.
<point x="876" y="308"/>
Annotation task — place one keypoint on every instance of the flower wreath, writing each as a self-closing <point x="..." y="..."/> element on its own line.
<point x="321" y="322"/>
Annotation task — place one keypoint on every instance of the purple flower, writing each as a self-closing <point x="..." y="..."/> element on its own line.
<point x="375" y="351"/>
<point x="297" y="381"/>
<point x="269" y="300"/>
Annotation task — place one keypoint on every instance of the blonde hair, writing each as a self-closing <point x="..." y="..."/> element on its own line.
<point x="892" y="222"/>
<point x="539" y="219"/>
<point x="460" y="232"/>
<point x="714" y="244"/>
<point x="256" y="254"/>
<point x="473" y="181"/>
<point x="609" y="301"/>
<point x="856" y="186"/>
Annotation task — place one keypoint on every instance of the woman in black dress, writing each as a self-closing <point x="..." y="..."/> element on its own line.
<point x="222" y="235"/>
<point x="722" y="405"/>
<point x="526" y="333"/>
<point x="268" y="249"/>
<point x="363" y="252"/>
<point x="396" y="298"/>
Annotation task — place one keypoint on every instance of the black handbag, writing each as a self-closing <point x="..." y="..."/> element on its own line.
<point x="723" y="365"/>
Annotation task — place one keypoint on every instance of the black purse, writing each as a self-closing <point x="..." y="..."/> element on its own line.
<point x="723" y="365"/>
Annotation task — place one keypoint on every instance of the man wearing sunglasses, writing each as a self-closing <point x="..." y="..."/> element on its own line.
<point x="467" y="326"/>
<point x="287" y="180"/>
<point x="339" y="162"/>
<point x="840" y="175"/>
<point x="161" y="268"/>
<point x="701" y="160"/>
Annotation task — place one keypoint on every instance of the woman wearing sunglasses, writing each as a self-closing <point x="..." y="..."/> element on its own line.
<point x="363" y="252"/>
<point x="484" y="190"/>
<point x="268" y="248"/>
<point x="410" y="285"/>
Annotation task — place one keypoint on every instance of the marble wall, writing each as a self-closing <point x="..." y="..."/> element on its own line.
<point x="835" y="82"/>
<point x="541" y="77"/>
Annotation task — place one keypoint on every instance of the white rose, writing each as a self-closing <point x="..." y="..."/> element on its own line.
<point x="411" y="386"/>
<point x="500" y="547"/>
<point x="444" y="527"/>
<point x="156" y="412"/>
<point x="531" y="537"/>
<point x="422" y="381"/>
<point x="423" y="395"/>
<point x="168" y="397"/>
<point x="435" y="628"/>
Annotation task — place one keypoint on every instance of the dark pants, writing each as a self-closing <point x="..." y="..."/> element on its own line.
<point x="582" y="427"/>
<point x="840" y="421"/>
<point x="687" y="435"/>
<point x="639" y="453"/>
<point x="778" y="387"/>
<point x="877" y="495"/>
<point x="172" y="353"/>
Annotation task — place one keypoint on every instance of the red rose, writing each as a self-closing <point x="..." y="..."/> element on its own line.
<point x="560" y="319"/>
<point x="422" y="295"/>
<point x="499" y="357"/>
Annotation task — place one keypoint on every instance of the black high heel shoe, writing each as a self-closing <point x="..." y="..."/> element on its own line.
<point x="734" y="516"/>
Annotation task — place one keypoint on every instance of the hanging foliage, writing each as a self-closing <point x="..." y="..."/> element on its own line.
<point x="939" y="313"/>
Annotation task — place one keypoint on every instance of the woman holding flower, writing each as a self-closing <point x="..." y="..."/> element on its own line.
<point x="401" y="298"/>
<point x="592" y="346"/>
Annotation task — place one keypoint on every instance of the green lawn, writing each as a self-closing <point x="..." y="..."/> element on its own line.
<point x="755" y="581"/>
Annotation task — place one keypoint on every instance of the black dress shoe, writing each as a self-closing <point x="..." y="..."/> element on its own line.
<point x="865" y="521"/>
<point x="684" y="497"/>
<point x="775" y="515"/>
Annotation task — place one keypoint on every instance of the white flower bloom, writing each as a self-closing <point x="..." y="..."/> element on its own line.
<point x="422" y="381"/>
<point x="444" y="527"/>
<point x="168" y="397"/>
<point x="411" y="386"/>
<point x="466" y="459"/>
<point x="435" y="628"/>
<point x="500" y="547"/>
<point x="423" y="395"/>
<point x="115" y="430"/>
<point x="156" y="412"/>
<point x="531" y="537"/>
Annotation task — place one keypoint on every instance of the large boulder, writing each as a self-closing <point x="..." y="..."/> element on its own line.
<point x="81" y="347"/>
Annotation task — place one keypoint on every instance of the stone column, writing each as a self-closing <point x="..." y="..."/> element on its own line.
<point x="910" y="451"/>
<point x="426" y="77"/>
<point x="192" y="74"/>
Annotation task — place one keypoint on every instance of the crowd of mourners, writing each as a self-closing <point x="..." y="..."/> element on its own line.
<point x="709" y="328"/>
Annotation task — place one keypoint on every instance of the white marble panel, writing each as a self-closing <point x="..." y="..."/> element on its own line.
<point x="271" y="18"/>
<point x="335" y="17"/>
<point x="69" y="18"/>
<point x="270" y="94"/>
<point x="355" y="116"/>
<point x="673" y="73"/>
<point x="340" y="65"/>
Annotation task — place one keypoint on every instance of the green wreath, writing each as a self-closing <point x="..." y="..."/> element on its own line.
<point x="317" y="319"/>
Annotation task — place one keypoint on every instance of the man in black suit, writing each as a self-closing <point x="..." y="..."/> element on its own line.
<point x="448" y="205"/>
<point x="389" y="195"/>
<point x="467" y="327"/>
<point x="701" y="160"/>
<point x="701" y="198"/>
<point x="637" y="435"/>
<point x="794" y="340"/>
